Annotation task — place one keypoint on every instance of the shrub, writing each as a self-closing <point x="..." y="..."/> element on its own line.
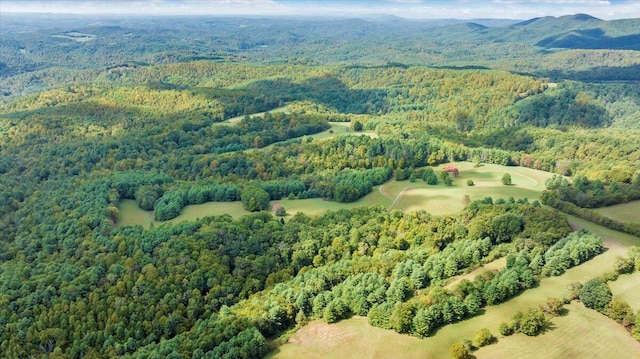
<point x="505" y="329"/>
<point x="620" y="311"/>
<point x="470" y="182"/>
<point x="624" y="265"/>
<point x="484" y="337"/>
<point x="458" y="351"/>
<point x="553" y="306"/>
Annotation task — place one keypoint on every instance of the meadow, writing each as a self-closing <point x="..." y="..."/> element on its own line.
<point x="131" y="214"/>
<point x="404" y="195"/>
<point x="626" y="212"/>
<point x="627" y="288"/>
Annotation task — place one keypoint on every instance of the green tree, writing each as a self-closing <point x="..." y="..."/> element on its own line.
<point x="636" y="326"/>
<point x="595" y="294"/>
<point x="532" y="322"/>
<point x="146" y="196"/>
<point x="506" y="179"/>
<point x="280" y="211"/>
<point x="446" y="178"/>
<point x="254" y="198"/>
<point x="430" y="177"/>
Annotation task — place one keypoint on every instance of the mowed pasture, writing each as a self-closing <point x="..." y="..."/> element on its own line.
<point x="582" y="333"/>
<point x="349" y="339"/>
<point x="627" y="288"/>
<point x="626" y="212"/>
<point x="569" y="334"/>
<point x="438" y="199"/>
<point x="487" y="178"/>
<point x="404" y="195"/>
<point x="589" y="333"/>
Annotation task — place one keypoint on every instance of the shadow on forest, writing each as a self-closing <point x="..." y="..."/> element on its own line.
<point x="327" y="90"/>
<point x="596" y="74"/>
<point x="591" y="39"/>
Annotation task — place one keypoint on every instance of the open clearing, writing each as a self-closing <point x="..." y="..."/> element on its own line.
<point x="592" y="335"/>
<point x="234" y="120"/>
<point x="497" y="265"/>
<point x="131" y="214"/>
<point x="565" y="338"/>
<point x="441" y="199"/>
<point x="340" y="128"/>
<point x="337" y="128"/>
<point x="627" y="288"/>
<point x="626" y="212"/>
<point x="403" y="195"/>
<point x="353" y="338"/>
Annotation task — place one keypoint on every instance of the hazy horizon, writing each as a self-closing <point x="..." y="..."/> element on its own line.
<point x="410" y="9"/>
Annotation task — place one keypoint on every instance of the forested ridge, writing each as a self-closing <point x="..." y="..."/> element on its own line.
<point x="171" y="129"/>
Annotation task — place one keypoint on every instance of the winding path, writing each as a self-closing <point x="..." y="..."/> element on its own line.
<point x="388" y="196"/>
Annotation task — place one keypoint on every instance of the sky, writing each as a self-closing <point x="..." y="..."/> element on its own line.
<point x="413" y="9"/>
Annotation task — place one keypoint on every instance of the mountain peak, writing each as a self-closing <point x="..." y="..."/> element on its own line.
<point x="580" y="17"/>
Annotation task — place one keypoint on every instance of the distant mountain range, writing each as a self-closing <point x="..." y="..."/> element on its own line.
<point x="31" y="43"/>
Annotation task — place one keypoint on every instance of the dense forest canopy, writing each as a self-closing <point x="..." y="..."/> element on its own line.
<point x="174" y="112"/>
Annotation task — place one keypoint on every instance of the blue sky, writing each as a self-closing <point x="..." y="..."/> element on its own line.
<point x="421" y="9"/>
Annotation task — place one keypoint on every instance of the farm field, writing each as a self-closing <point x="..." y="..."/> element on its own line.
<point x="403" y="195"/>
<point x="437" y="346"/>
<point x="625" y="212"/>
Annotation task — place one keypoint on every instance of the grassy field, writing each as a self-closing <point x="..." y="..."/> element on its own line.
<point x="403" y="195"/>
<point x="353" y="338"/>
<point x="626" y="212"/>
<point x="440" y="199"/>
<point x="340" y="128"/>
<point x="592" y="335"/>
<point x="131" y="214"/>
<point x="627" y="288"/>
<point x="567" y="337"/>
<point x="497" y="264"/>
<point x="234" y="120"/>
<point x="337" y="129"/>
